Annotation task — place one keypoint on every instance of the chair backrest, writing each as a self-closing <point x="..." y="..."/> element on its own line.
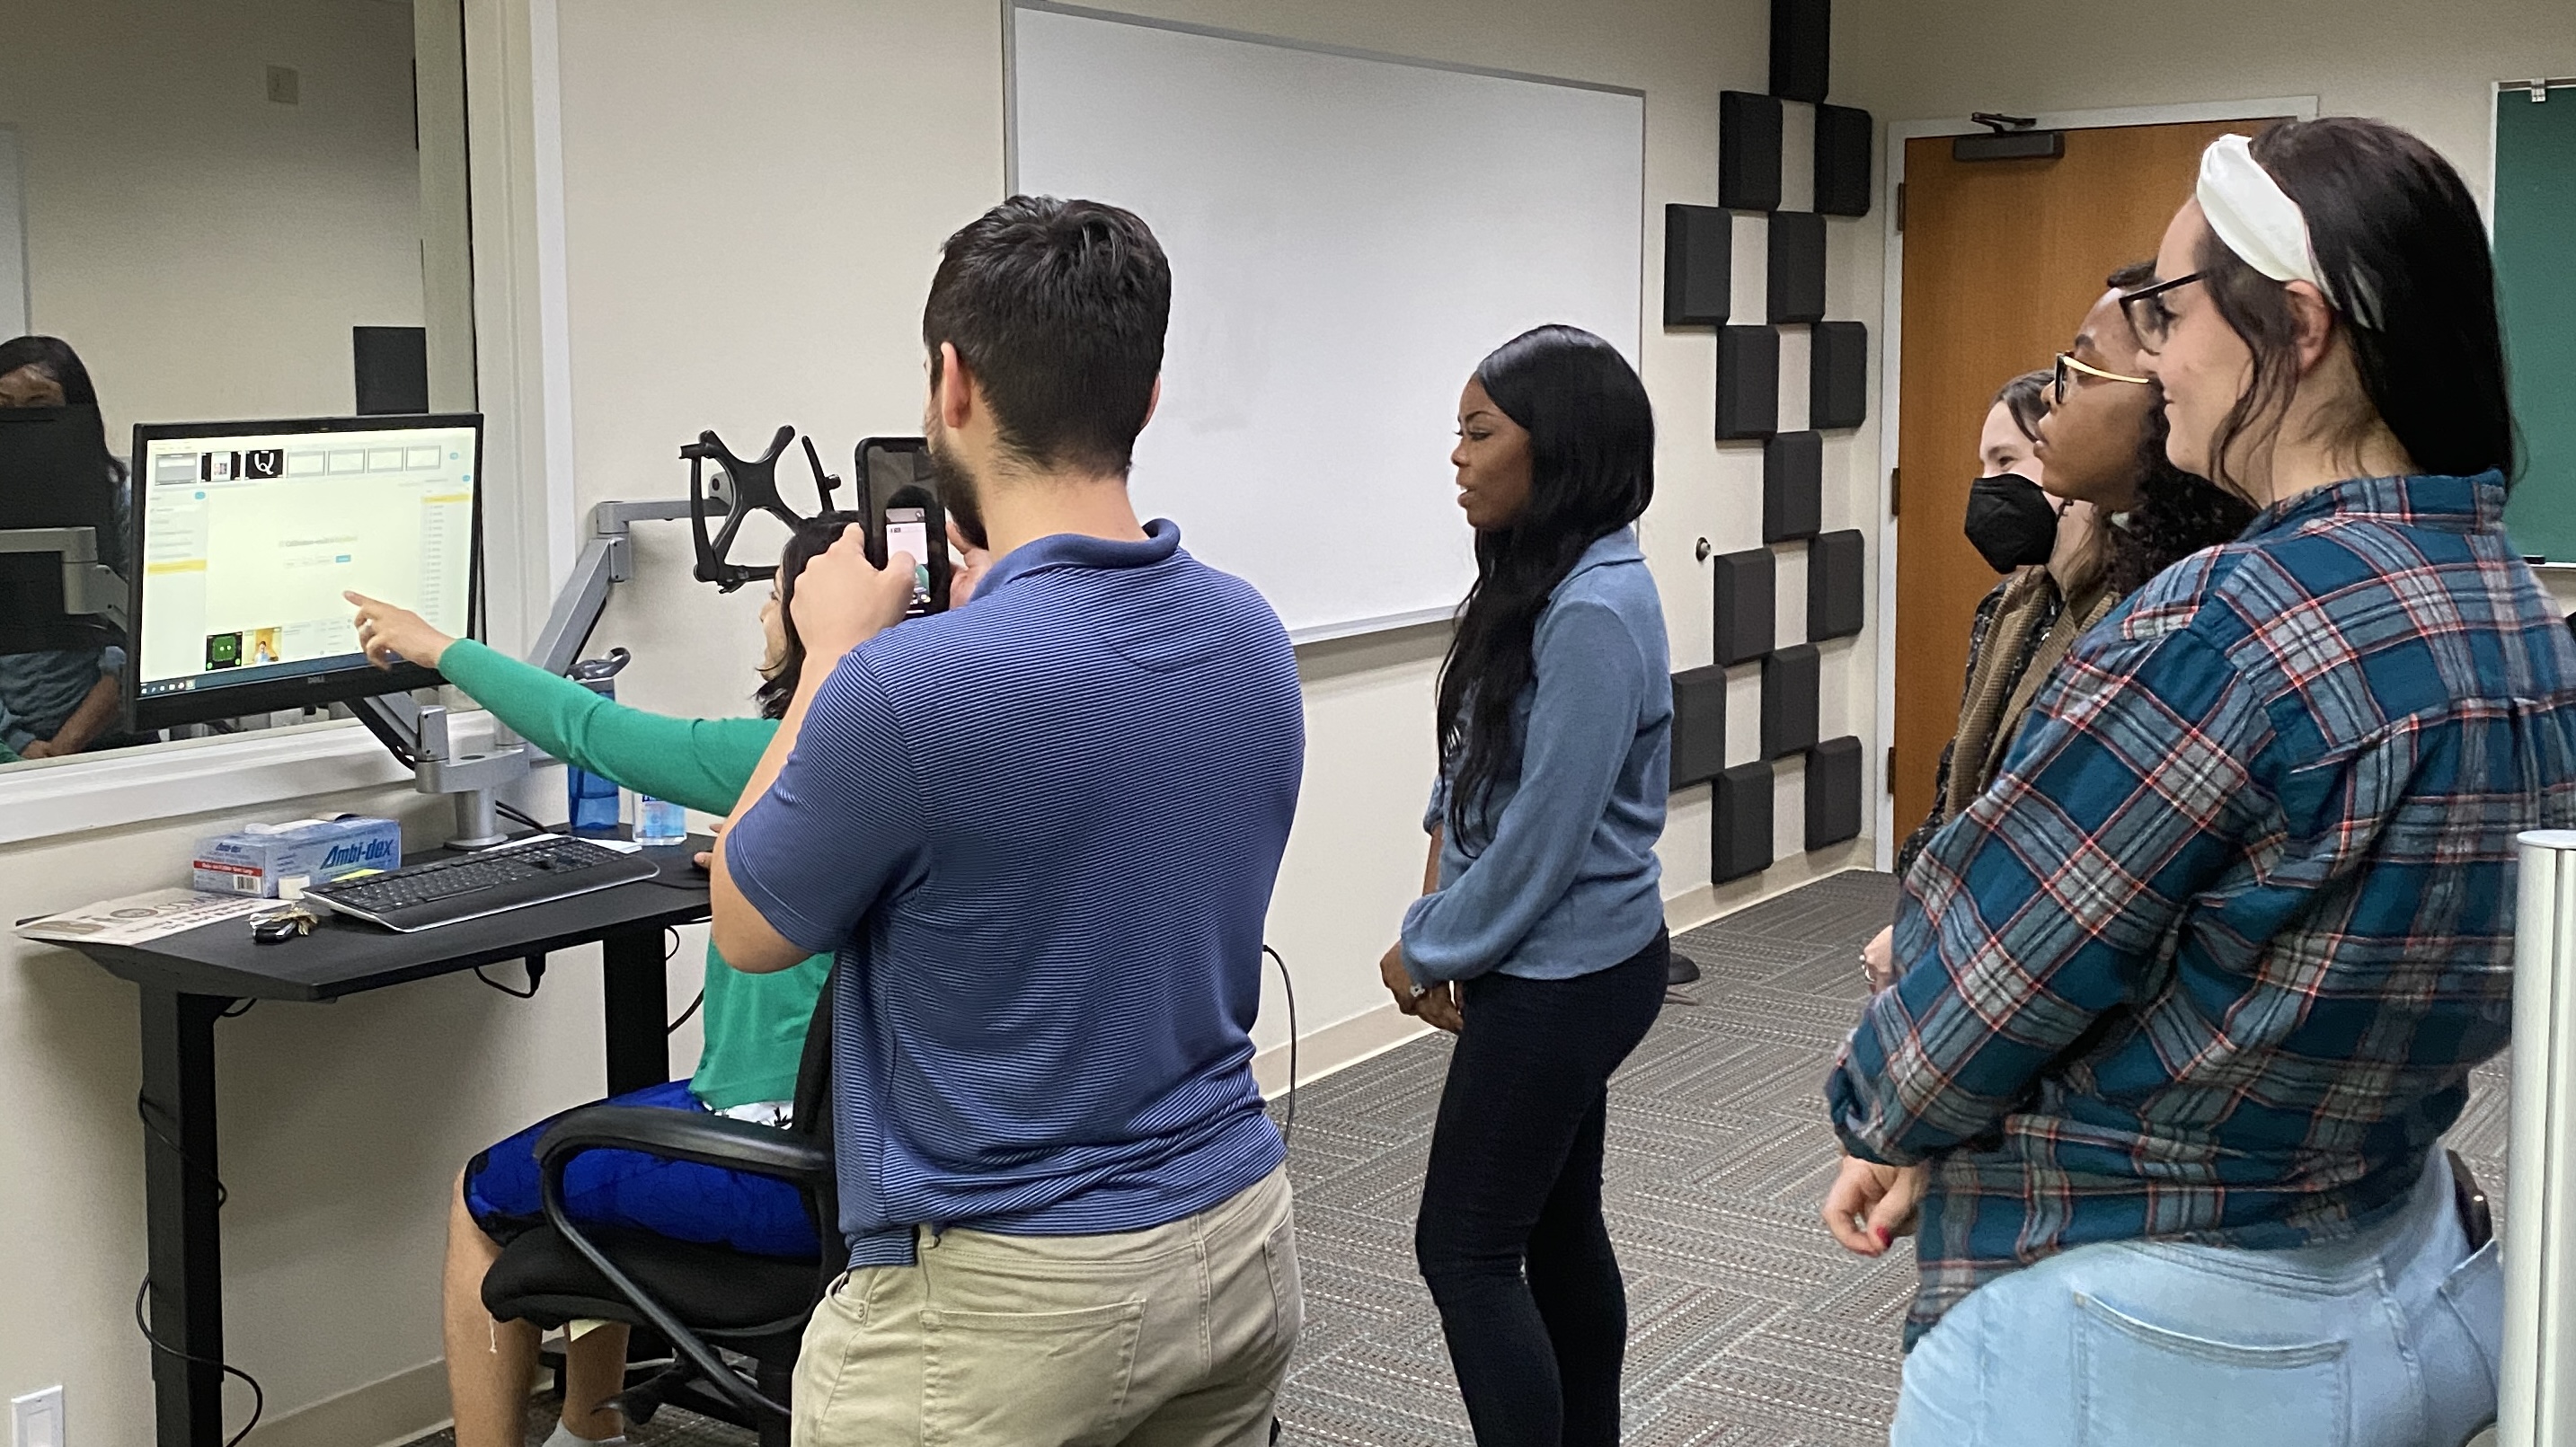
<point x="812" y="1108"/>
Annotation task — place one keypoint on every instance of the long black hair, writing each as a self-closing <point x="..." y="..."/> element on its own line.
<point x="813" y="537"/>
<point x="2404" y="256"/>
<point x="1592" y="472"/>
<point x="2178" y="513"/>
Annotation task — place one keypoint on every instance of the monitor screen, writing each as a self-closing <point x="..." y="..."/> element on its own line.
<point x="248" y="534"/>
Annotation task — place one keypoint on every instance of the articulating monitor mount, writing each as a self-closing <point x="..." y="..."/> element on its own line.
<point x="417" y="732"/>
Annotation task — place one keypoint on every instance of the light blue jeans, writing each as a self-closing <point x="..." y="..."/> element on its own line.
<point x="2386" y="1339"/>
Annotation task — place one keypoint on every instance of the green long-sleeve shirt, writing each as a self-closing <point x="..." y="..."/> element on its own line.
<point x="754" y="1024"/>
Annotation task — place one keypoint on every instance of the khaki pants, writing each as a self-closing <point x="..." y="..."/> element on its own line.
<point x="1173" y="1337"/>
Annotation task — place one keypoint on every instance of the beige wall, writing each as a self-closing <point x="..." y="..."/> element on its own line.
<point x="753" y="195"/>
<point x="2425" y="67"/>
<point x="781" y="205"/>
<point x="753" y="200"/>
<point x="205" y="250"/>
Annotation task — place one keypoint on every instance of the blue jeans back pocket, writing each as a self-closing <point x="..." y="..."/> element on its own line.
<point x="2144" y="1386"/>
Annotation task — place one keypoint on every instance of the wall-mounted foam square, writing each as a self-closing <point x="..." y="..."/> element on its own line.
<point x="1748" y="382"/>
<point x="1699" y="725"/>
<point x="1833" y="792"/>
<point x="1748" y="151"/>
<point x="1747" y="584"/>
<point x="1843" y="137"/>
<point x="1793" y="486"/>
<point x="1742" y="817"/>
<point x="1698" y="249"/>
<point x="1797" y="266"/>
<point x="1792" y="678"/>
<point x="1801" y="49"/>
<point x="1838" y="375"/>
<point x="1837" y="567"/>
<point x="392" y="367"/>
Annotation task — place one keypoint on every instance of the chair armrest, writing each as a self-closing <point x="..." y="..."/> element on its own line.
<point x="682" y="1135"/>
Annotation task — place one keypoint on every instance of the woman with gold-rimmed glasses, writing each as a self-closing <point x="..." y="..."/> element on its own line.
<point x="2099" y="451"/>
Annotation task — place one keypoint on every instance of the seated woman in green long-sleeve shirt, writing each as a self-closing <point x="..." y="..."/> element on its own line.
<point x="754" y="1025"/>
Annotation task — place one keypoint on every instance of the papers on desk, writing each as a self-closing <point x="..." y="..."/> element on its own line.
<point x="140" y="917"/>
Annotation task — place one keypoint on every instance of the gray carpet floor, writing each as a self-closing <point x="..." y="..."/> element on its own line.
<point x="1748" y="1326"/>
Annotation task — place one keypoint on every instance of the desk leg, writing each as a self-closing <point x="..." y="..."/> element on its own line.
<point x="180" y="1200"/>
<point x="638" y="1009"/>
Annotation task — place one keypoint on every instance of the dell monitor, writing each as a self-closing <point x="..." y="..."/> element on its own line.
<point x="246" y="534"/>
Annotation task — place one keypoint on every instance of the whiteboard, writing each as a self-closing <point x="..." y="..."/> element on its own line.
<point x="13" y="237"/>
<point x="1349" y="235"/>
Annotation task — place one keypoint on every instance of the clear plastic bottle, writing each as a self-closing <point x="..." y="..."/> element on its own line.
<point x="659" y="823"/>
<point x="592" y="800"/>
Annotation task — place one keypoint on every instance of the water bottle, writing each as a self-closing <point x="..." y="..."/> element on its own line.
<point x="659" y="823"/>
<point x="591" y="801"/>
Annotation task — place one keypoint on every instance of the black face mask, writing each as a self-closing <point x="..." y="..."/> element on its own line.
<point x="2011" y="522"/>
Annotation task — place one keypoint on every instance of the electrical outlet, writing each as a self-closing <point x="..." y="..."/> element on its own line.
<point x="36" y="1419"/>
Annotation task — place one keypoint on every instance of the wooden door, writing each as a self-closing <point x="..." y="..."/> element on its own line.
<point x="2001" y="260"/>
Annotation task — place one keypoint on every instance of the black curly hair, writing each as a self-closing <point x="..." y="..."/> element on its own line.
<point x="2178" y="513"/>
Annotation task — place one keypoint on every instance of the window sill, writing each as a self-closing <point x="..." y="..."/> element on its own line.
<point x="203" y="776"/>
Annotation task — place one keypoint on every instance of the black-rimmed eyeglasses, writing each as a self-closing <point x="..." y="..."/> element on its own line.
<point x="2148" y="315"/>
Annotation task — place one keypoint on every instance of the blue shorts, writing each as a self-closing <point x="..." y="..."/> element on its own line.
<point x="679" y="1199"/>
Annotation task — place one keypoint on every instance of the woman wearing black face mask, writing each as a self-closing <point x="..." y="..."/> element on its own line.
<point x="2021" y="531"/>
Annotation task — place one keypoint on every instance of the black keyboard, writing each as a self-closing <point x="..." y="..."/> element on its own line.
<point x="471" y="886"/>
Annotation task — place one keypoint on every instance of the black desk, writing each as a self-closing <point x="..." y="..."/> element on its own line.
<point x="190" y="979"/>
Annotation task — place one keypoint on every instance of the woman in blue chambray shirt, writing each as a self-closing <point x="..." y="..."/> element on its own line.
<point x="1540" y="934"/>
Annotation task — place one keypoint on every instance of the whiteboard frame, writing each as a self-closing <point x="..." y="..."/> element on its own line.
<point x="1382" y="623"/>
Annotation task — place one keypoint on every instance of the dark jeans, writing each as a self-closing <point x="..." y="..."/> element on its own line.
<point x="1515" y="1185"/>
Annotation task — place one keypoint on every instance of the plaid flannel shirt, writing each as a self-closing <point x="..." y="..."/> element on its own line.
<point x="2213" y="958"/>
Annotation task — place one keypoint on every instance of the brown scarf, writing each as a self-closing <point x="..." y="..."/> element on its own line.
<point x="2073" y="622"/>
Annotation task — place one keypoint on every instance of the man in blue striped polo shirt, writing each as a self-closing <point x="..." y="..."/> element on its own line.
<point x="1042" y="830"/>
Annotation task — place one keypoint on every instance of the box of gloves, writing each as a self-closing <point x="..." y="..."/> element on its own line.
<point x="281" y="860"/>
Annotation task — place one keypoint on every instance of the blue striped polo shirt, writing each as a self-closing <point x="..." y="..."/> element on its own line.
<point x="1041" y="830"/>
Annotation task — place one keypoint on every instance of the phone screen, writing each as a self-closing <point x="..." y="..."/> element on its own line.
<point x="908" y="532"/>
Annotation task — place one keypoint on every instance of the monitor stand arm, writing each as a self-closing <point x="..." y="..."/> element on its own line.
<point x="417" y="732"/>
<point x="88" y="587"/>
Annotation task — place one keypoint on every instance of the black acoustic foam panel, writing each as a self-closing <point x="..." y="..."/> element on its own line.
<point x="1748" y="383"/>
<point x="1699" y="725"/>
<point x="1699" y="243"/>
<point x="1838" y="375"/>
<point x="1833" y="792"/>
<point x="392" y="369"/>
<point x="1791" y="678"/>
<point x="1801" y="49"/>
<point x="1743" y="823"/>
<point x="1793" y="486"/>
<point x="1836" y="569"/>
<point x="1747" y="597"/>
<point x="1748" y="151"/>
<point x="1843" y="138"/>
<point x="1797" y="267"/>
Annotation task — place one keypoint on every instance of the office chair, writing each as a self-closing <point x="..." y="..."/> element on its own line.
<point x="701" y="1300"/>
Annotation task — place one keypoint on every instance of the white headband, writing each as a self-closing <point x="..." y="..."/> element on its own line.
<point x="2252" y="216"/>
